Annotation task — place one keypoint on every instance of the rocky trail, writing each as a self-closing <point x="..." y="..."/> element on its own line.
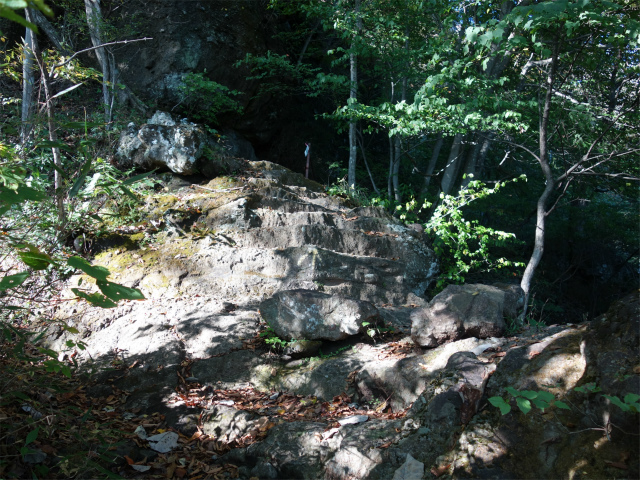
<point x="372" y="392"/>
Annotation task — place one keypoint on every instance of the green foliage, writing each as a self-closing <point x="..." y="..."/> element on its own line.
<point x="278" y="75"/>
<point x="8" y="7"/>
<point x="630" y="403"/>
<point x="462" y="245"/>
<point x="272" y="339"/>
<point x="526" y="400"/>
<point x="204" y="99"/>
<point x="373" y="330"/>
<point x="360" y="196"/>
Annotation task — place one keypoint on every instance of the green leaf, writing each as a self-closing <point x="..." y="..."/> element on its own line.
<point x="13" y="281"/>
<point x="546" y="396"/>
<point x="116" y="292"/>
<point x="512" y="391"/>
<point x="35" y="259"/>
<point x="77" y="185"/>
<point x="561" y="405"/>
<point x="523" y="404"/>
<point x="631" y="398"/>
<point x="21" y="396"/>
<point x="617" y="402"/>
<point x="128" y="193"/>
<point x="14" y="17"/>
<point x="31" y="436"/>
<point x="501" y="404"/>
<point x="97" y="272"/>
<point x="95" y="298"/>
<point x="541" y="404"/>
<point x="54" y="144"/>
<point x="530" y="394"/>
<point x="81" y="125"/>
<point x="137" y="178"/>
<point x="23" y="193"/>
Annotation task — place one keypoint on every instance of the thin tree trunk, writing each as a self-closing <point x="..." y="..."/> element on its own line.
<point x="453" y="165"/>
<point x="28" y="81"/>
<point x="541" y="207"/>
<point x="391" y="163"/>
<point x="432" y="162"/>
<point x="94" y="21"/>
<point x="398" y="143"/>
<point x="395" y="174"/>
<point x="366" y="164"/>
<point x="484" y="151"/>
<point x="53" y="137"/>
<point x="307" y="42"/>
<point x="353" y="91"/>
<point x="49" y="30"/>
<point x="469" y="172"/>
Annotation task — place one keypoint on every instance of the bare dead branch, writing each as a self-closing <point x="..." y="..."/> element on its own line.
<point x="94" y="48"/>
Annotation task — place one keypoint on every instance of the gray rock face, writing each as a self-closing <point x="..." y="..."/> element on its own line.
<point x="309" y="315"/>
<point x="462" y="311"/>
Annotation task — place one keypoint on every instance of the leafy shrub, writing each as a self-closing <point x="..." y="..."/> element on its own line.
<point x="204" y="99"/>
<point x="462" y="246"/>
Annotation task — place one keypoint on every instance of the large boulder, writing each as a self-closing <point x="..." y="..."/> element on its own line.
<point x="462" y="311"/>
<point x="163" y="143"/>
<point x="311" y="315"/>
<point x="180" y="146"/>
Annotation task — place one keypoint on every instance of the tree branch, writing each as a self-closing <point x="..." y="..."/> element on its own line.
<point x="94" y="48"/>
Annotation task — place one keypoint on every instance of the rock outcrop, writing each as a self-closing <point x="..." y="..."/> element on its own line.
<point x="207" y="256"/>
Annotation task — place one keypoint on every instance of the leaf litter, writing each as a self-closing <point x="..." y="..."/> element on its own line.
<point x="84" y="436"/>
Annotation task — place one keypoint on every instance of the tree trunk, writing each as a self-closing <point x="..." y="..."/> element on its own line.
<point x="469" y="171"/>
<point x="43" y="24"/>
<point x="453" y="165"/>
<point x="541" y="207"/>
<point x="353" y="91"/>
<point x="395" y="174"/>
<point x="398" y="143"/>
<point x="53" y="137"/>
<point x="432" y="162"/>
<point x="28" y="80"/>
<point x="109" y="71"/>
<point x="366" y="164"/>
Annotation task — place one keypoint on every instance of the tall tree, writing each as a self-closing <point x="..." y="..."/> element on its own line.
<point x="105" y="56"/>
<point x="584" y="129"/>
<point x="353" y="97"/>
<point x="29" y="69"/>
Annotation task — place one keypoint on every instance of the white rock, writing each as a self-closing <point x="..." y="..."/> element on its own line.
<point x="411" y="469"/>
<point x="353" y="420"/>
